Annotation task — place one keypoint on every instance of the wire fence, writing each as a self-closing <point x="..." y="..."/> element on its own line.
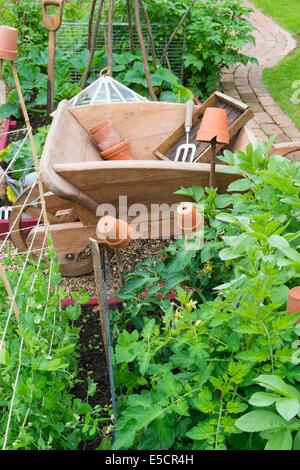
<point x="72" y="37"/>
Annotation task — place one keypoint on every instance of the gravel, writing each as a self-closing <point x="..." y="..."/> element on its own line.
<point x="131" y="257"/>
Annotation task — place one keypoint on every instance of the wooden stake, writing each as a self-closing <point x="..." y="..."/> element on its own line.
<point x="212" y="175"/>
<point x="131" y="38"/>
<point x="110" y="37"/>
<point x="9" y="291"/>
<point x="100" y="291"/>
<point x="100" y="279"/>
<point x="32" y="142"/>
<point x="90" y="24"/>
<point x="150" y="35"/>
<point x="143" y="49"/>
<point x="93" y="46"/>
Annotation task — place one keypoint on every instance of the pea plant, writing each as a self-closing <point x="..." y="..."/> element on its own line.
<point x="186" y="367"/>
<point x="39" y="366"/>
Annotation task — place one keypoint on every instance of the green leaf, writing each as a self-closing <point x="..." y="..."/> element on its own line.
<point x="280" y="440"/>
<point x="4" y="356"/>
<point x="240" y="185"/>
<point x="169" y="385"/>
<point x="202" y="431"/>
<point x="167" y="76"/>
<point x="278" y="242"/>
<point x="165" y="431"/>
<point x="256" y="421"/>
<point x="227" y="254"/>
<point x="287" y="407"/>
<point x="277" y="385"/>
<point x="296" y="445"/>
<point x="223" y="200"/>
<point x="263" y="399"/>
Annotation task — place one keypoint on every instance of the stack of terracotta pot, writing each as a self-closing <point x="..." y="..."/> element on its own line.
<point x="111" y="146"/>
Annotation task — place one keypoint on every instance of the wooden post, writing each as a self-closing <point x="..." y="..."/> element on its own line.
<point x="100" y="279"/>
<point x="9" y="290"/>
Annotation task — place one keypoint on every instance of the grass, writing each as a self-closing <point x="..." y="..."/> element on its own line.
<point x="284" y="12"/>
<point x="281" y="79"/>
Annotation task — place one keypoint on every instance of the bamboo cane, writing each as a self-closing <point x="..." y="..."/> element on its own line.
<point x="110" y="37"/>
<point x="32" y="142"/>
<point x="93" y="46"/>
<point x="143" y="49"/>
<point x="131" y="39"/>
<point x="150" y="34"/>
<point x="9" y="291"/>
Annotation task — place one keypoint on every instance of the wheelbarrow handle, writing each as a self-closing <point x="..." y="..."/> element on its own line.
<point x="52" y="22"/>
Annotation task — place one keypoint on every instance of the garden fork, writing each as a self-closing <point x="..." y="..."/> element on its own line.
<point x="187" y="151"/>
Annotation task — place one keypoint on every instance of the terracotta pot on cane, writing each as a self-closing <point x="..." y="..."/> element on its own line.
<point x="121" y="151"/>
<point x="213" y="129"/>
<point x="214" y="125"/>
<point x="105" y="135"/>
<point x="8" y="43"/>
<point x="293" y="303"/>
<point x="114" y="232"/>
<point x="189" y="220"/>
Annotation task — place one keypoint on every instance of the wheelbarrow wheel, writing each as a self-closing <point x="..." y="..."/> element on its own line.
<point x="28" y="207"/>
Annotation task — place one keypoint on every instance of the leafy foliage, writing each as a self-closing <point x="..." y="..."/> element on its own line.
<point x="39" y="359"/>
<point x="192" y="361"/>
<point x="281" y="426"/>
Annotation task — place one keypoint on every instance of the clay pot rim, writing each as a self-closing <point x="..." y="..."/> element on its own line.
<point x="101" y="125"/>
<point x="115" y="149"/>
<point x="294" y="293"/>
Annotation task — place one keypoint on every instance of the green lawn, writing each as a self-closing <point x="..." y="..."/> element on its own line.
<point x="280" y="79"/>
<point x="285" y="12"/>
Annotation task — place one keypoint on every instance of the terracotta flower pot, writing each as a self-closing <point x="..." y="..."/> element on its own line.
<point x="114" y="232"/>
<point x="121" y="151"/>
<point x="105" y="136"/>
<point x="214" y="124"/>
<point x="8" y="43"/>
<point x="293" y="303"/>
<point x="189" y="220"/>
<point x="94" y="129"/>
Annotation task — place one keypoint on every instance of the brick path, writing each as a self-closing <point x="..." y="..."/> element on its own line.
<point x="246" y="83"/>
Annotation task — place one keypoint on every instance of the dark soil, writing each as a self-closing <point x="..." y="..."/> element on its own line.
<point x="92" y="363"/>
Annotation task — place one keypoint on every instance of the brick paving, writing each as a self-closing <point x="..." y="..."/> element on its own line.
<point x="245" y="82"/>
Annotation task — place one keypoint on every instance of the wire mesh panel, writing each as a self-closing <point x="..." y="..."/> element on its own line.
<point x="72" y="38"/>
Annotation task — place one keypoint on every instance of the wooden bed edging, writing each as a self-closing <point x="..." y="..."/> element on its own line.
<point x="113" y="302"/>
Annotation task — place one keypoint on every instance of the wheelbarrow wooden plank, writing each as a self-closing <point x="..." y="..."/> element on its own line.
<point x="151" y="182"/>
<point x="146" y="124"/>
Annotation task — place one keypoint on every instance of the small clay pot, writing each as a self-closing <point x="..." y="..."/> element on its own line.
<point x="293" y="303"/>
<point x="189" y="220"/>
<point x="106" y="136"/>
<point x="214" y="125"/>
<point x="8" y="43"/>
<point x="114" y="232"/>
<point x="94" y="129"/>
<point x="121" y="151"/>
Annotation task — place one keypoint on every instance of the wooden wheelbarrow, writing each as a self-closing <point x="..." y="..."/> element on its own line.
<point x="77" y="180"/>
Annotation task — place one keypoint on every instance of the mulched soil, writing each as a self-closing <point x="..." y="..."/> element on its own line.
<point x="92" y="364"/>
